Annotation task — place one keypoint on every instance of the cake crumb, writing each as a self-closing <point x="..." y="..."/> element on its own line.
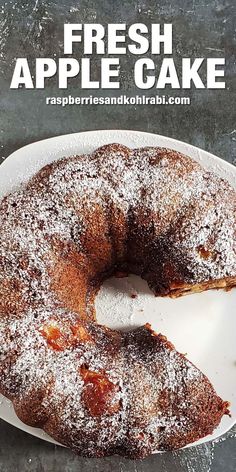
<point x="121" y="275"/>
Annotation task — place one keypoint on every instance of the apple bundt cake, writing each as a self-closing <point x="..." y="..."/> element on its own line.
<point x="153" y="212"/>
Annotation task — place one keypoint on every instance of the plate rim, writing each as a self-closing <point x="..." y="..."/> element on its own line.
<point x="121" y="130"/>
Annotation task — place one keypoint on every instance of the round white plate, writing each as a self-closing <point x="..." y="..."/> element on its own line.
<point x="201" y="325"/>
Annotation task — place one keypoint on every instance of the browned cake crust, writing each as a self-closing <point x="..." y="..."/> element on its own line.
<point x="153" y="212"/>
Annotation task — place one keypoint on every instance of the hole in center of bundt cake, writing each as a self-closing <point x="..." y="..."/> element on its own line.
<point x="122" y="301"/>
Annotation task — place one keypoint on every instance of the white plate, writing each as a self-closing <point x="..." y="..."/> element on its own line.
<point x="202" y="325"/>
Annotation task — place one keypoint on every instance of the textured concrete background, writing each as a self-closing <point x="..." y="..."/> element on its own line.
<point x="34" y="28"/>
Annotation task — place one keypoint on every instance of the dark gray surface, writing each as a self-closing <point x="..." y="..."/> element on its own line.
<point x="35" y="28"/>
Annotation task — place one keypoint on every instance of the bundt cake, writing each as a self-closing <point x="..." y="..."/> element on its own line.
<point x="153" y="212"/>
